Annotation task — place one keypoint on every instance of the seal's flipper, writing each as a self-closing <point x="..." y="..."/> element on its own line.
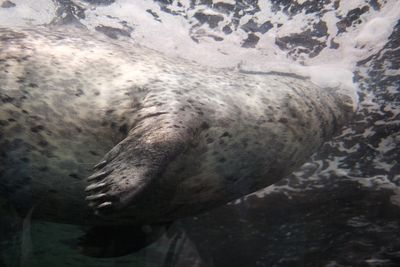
<point x="157" y="136"/>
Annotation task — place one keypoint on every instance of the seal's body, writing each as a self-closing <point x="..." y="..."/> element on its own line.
<point x="171" y="138"/>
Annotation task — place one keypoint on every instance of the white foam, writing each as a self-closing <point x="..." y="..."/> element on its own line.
<point x="331" y="68"/>
<point x="232" y="2"/>
<point x="28" y="12"/>
<point x="374" y="32"/>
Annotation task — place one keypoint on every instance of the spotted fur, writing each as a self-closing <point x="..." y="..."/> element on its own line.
<point x="168" y="138"/>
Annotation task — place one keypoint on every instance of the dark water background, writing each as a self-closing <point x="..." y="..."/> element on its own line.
<point x="331" y="220"/>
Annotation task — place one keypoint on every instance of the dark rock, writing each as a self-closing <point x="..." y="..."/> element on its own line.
<point x="211" y="20"/>
<point x="100" y="2"/>
<point x="375" y="4"/>
<point x="334" y="45"/>
<point x="251" y="41"/>
<point x="68" y="13"/>
<point x="226" y="29"/>
<point x="7" y="4"/>
<point x="266" y="26"/>
<point x="293" y="8"/>
<point x="113" y="32"/>
<point x="224" y="7"/>
<point x="304" y="42"/>
<point x="154" y="14"/>
<point x="351" y="17"/>
<point x="250" y="26"/>
<point x="320" y="29"/>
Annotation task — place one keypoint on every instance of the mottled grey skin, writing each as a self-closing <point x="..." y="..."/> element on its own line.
<point x="172" y="139"/>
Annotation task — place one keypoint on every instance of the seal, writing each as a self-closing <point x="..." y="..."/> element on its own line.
<point x="168" y="138"/>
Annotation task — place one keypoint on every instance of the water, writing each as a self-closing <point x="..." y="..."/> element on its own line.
<point x="339" y="209"/>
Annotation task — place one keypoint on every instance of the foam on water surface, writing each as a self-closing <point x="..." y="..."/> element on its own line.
<point x="27" y="12"/>
<point x="172" y="33"/>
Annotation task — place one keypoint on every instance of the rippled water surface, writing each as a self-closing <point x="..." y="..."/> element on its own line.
<point x="342" y="208"/>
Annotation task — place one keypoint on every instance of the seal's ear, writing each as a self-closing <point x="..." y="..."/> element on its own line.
<point x="158" y="135"/>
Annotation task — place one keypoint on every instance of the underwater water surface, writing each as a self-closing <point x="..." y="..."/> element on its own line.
<point x="341" y="208"/>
